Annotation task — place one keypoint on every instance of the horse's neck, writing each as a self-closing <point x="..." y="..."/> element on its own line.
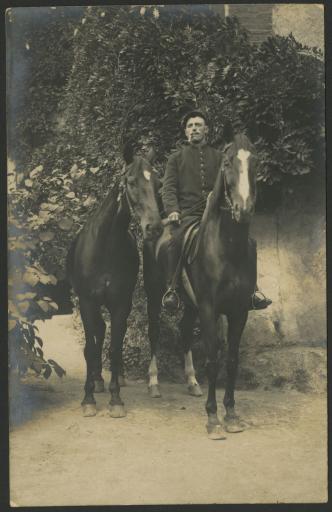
<point x="111" y="225"/>
<point x="119" y="227"/>
<point x="231" y="236"/>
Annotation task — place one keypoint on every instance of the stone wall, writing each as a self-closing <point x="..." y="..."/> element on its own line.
<point x="304" y="21"/>
<point x="256" y="18"/>
<point x="287" y="341"/>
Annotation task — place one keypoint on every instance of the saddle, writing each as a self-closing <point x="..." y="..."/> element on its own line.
<point x="190" y="245"/>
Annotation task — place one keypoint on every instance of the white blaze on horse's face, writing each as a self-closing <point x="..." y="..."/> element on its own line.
<point x="244" y="186"/>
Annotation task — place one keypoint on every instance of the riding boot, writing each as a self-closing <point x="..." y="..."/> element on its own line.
<point x="258" y="299"/>
<point x="171" y="299"/>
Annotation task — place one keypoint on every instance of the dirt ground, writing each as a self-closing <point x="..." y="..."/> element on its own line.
<point x="159" y="453"/>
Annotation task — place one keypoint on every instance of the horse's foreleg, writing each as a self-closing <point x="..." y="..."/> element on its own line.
<point x="236" y="325"/>
<point x="119" y="315"/>
<point x="153" y="309"/>
<point x="87" y="315"/>
<point x="209" y="334"/>
<point x="186" y="330"/>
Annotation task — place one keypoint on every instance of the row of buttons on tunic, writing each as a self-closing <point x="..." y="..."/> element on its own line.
<point x="204" y="191"/>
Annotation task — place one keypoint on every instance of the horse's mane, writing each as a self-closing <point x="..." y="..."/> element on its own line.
<point x="109" y="203"/>
<point x="108" y="207"/>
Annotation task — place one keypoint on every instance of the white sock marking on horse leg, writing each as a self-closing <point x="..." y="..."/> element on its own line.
<point x="153" y="372"/>
<point x="189" y="369"/>
<point x="244" y="187"/>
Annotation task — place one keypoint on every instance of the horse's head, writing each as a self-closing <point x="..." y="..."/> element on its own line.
<point x="239" y="171"/>
<point x="139" y="183"/>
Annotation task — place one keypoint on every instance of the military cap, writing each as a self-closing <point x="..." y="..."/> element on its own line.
<point x="193" y="113"/>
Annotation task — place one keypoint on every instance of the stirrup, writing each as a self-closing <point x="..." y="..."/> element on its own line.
<point x="263" y="297"/>
<point x="171" y="291"/>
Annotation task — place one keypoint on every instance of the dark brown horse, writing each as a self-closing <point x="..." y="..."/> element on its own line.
<point x="222" y="277"/>
<point x="102" y="266"/>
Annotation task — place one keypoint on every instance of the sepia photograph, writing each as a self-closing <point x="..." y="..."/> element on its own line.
<point x="166" y="199"/>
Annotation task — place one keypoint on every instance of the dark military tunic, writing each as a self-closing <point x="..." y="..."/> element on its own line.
<point x="190" y="175"/>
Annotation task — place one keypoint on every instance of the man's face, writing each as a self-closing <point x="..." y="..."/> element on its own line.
<point x="196" y="130"/>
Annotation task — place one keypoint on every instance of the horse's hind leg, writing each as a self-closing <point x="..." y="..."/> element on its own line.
<point x="88" y="318"/>
<point x="119" y="314"/>
<point x="153" y="309"/>
<point x="186" y="330"/>
<point x="236" y="325"/>
<point x="100" y="336"/>
<point x="121" y="378"/>
<point x="154" y="293"/>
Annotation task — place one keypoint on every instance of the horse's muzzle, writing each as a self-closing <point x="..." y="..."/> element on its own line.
<point x="243" y="216"/>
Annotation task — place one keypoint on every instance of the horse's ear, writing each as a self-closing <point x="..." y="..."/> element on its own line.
<point x="128" y="152"/>
<point x="151" y="155"/>
<point x="228" y="132"/>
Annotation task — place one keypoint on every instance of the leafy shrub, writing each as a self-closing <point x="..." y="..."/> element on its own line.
<point x="27" y="300"/>
<point x="39" y="59"/>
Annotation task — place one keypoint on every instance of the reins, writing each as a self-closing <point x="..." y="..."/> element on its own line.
<point x="123" y="192"/>
<point x="229" y="205"/>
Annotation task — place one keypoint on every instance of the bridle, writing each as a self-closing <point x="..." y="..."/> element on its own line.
<point x="123" y="191"/>
<point x="229" y="205"/>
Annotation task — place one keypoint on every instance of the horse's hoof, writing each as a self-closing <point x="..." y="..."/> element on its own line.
<point x="195" y="390"/>
<point x="234" y="425"/>
<point x="122" y="381"/>
<point x="99" y="386"/>
<point x="117" y="411"/>
<point x="215" y="432"/>
<point x="89" y="410"/>
<point x="154" y="391"/>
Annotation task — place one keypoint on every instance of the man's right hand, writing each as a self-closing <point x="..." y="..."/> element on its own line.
<point x="174" y="217"/>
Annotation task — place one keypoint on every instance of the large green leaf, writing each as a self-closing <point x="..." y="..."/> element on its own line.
<point x="46" y="236"/>
<point x="23" y="306"/>
<point x="31" y="278"/>
<point x="65" y="224"/>
<point x="44" y="305"/>
<point x="26" y="295"/>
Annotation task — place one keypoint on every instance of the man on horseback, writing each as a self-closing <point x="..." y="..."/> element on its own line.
<point x="189" y="178"/>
